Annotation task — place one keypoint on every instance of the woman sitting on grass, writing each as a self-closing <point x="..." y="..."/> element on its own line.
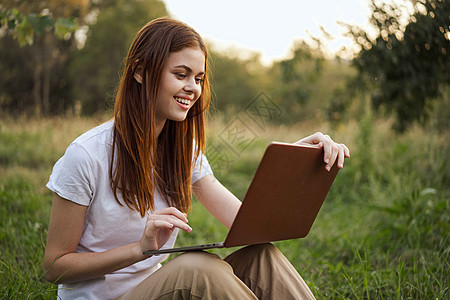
<point x="125" y="187"/>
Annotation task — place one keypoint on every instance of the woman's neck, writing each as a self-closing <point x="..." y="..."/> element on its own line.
<point x="159" y="126"/>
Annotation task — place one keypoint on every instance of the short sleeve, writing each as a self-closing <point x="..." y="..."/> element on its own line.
<point x="72" y="177"/>
<point x="201" y="168"/>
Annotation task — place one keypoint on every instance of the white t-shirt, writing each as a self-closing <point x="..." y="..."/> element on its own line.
<point x="82" y="176"/>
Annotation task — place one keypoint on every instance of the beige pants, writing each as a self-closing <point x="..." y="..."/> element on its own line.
<point x="253" y="272"/>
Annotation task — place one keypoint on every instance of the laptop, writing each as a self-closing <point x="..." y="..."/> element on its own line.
<point x="282" y="201"/>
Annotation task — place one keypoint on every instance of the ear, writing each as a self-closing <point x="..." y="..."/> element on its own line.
<point x="138" y="72"/>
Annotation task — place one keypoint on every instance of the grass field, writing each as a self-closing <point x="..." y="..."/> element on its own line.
<point x="383" y="231"/>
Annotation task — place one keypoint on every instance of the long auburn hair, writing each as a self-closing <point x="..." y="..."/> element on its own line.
<point x="142" y="162"/>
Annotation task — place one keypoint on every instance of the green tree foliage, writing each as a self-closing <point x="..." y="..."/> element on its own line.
<point x="36" y="38"/>
<point x="236" y="81"/>
<point x="44" y="71"/>
<point x="407" y="66"/>
<point x="95" y="69"/>
<point x="309" y="86"/>
<point x="25" y="27"/>
<point x="295" y="78"/>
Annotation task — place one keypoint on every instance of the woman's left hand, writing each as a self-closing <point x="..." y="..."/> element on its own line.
<point x="333" y="152"/>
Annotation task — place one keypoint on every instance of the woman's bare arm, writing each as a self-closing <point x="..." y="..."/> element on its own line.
<point x="63" y="264"/>
<point x="218" y="200"/>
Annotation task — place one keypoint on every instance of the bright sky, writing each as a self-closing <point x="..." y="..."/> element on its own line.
<point x="267" y="26"/>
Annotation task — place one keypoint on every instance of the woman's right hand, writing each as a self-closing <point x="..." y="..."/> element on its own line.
<point x="160" y="226"/>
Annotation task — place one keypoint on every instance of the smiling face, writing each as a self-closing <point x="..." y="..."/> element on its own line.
<point x="180" y="85"/>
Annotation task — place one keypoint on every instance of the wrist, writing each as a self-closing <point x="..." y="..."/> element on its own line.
<point x="138" y="252"/>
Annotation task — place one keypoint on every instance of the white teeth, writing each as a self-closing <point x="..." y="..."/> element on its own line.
<point x="183" y="101"/>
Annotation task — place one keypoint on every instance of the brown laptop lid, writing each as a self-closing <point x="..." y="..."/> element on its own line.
<point x="284" y="197"/>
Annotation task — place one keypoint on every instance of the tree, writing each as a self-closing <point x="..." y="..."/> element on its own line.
<point x="407" y="66"/>
<point x="31" y="73"/>
<point x="236" y="81"/>
<point x="46" y="69"/>
<point x="26" y="27"/>
<point x="95" y="69"/>
<point x="295" y="78"/>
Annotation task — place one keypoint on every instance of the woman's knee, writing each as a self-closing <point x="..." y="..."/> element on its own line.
<point x="196" y="274"/>
<point x="265" y="249"/>
<point x="206" y="276"/>
<point x="199" y="261"/>
<point x="259" y="250"/>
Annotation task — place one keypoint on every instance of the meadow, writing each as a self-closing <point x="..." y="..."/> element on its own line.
<point x="382" y="233"/>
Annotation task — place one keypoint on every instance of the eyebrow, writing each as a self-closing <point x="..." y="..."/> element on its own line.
<point x="188" y="69"/>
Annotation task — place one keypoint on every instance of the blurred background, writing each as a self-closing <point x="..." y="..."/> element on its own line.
<point x="372" y="74"/>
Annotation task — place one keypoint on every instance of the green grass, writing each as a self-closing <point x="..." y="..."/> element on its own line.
<point x="383" y="231"/>
<point x="23" y="224"/>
